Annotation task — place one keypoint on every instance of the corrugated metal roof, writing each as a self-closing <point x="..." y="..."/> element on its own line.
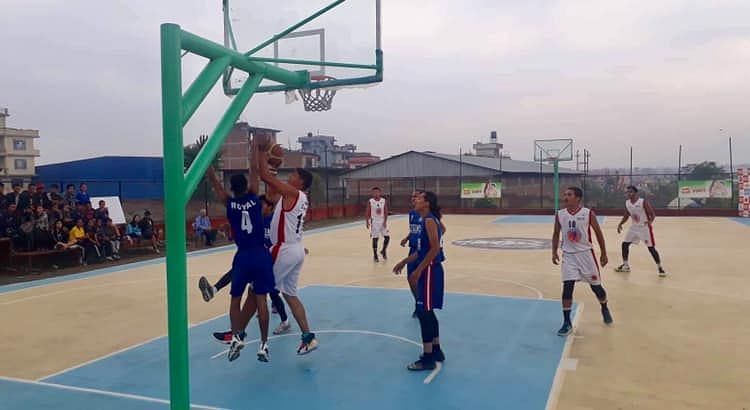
<point x="424" y="164"/>
<point x="509" y="165"/>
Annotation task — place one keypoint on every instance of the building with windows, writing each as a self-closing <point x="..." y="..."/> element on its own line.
<point x="17" y="152"/>
<point x="335" y="156"/>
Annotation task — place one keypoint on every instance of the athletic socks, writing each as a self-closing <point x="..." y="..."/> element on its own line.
<point x="566" y="315"/>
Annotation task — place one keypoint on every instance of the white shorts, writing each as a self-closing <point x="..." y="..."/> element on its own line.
<point x="581" y="266"/>
<point x="378" y="228"/>
<point x="287" y="266"/>
<point x="637" y="233"/>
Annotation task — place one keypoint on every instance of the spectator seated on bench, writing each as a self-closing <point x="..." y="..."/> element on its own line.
<point x="134" y="235"/>
<point x="202" y="228"/>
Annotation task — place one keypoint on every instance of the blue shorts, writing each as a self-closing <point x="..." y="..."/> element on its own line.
<point x="430" y="288"/>
<point x="254" y="267"/>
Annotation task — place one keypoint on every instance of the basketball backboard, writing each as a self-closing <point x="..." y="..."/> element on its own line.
<point x="553" y="150"/>
<point x="336" y="42"/>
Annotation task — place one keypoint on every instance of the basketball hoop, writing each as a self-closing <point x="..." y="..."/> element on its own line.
<point x="317" y="99"/>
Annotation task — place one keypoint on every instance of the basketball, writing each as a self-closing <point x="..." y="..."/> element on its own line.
<point x="275" y="155"/>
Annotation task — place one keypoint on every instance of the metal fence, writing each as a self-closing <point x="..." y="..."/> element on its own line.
<point x="519" y="191"/>
<point x="528" y="191"/>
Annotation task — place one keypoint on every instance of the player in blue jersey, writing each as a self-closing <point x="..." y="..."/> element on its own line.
<point x="252" y="264"/>
<point x="208" y="291"/>
<point x="427" y="279"/>
<point x="412" y="238"/>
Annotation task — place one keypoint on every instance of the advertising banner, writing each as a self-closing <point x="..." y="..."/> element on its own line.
<point x="476" y="190"/>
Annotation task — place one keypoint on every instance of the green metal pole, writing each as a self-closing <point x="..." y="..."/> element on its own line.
<point x="313" y="62"/>
<point x="201" y="86"/>
<point x="556" y="178"/>
<point x="177" y="316"/>
<point x="209" y="49"/>
<point x="214" y="142"/>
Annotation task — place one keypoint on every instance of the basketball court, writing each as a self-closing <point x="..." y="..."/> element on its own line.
<point x="97" y="340"/>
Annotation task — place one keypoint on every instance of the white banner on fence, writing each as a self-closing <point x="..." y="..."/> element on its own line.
<point x="113" y="205"/>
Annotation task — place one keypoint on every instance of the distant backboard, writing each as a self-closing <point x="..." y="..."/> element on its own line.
<point x="337" y="41"/>
<point x="553" y="150"/>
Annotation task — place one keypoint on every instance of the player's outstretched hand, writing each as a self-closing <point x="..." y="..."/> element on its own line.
<point x="398" y="268"/>
<point x="307" y="251"/>
<point x="404" y="241"/>
<point x="604" y="260"/>
<point x="555" y="258"/>
<point x="619" y="228"/>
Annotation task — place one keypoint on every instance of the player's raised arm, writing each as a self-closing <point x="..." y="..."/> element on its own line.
<point x="599" y="238"/>
<point x="216" y="185"/>
<point x="253" y="185"/>
<point x="556" y="241"/>
<point x="284" y="189"/>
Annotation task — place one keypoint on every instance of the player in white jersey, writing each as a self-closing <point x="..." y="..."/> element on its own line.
<point x="286" y="238"/>
<point x="578" y="257"/>
<point x="376" y="220"/>
<point x="641" y="215"/>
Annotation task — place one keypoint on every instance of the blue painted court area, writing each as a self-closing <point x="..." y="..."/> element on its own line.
<point x="744" y="221"/>
<point x="532" y="219"/>
<point x="500" y="353"/>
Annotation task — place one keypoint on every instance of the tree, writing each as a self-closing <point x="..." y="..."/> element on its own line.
<point x="203" y="192"/>
<point x="706" y="170"/>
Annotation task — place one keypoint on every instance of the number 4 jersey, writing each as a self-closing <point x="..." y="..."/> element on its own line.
<point x="287" y="224"/>
<point x="245" y="215"/>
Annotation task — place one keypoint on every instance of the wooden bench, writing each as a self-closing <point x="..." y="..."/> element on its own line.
<point x="38" y="254"/>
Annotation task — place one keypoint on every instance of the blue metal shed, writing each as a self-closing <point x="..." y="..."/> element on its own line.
<point x="126" y="177"/>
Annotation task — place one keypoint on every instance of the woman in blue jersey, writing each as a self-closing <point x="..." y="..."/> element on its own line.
<point x="412" y="238"/>
<point x="427" y="279"/>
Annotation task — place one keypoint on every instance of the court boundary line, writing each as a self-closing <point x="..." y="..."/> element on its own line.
<point x="427" y="380"/>
<point x="499" y="220"/>
<point x="87" y="287"/>
<point x="557" y="381"/>
<point x="538" y="292"/>
<point x="21" y="286"/>
<point x="103" y="392"/>
<point x="116" y="352"/>
<point x="447" y="292"/>
<point x="125" y="349"/>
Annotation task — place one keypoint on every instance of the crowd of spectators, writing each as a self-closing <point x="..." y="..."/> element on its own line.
<point x="36" y="220"/>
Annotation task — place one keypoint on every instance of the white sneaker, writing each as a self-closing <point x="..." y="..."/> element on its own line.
<point x="662" y="272"/>
<point x="263" y="355"/>
<point x="235" y="347"/>
<point x="623" y="268"/>
<point x="283" y="327"/>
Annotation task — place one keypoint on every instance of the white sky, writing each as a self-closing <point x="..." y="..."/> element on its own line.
<point x="611" y="74"/>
